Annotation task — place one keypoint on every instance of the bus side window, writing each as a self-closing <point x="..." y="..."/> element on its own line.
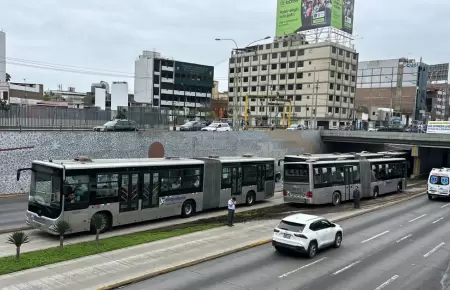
<point x="356" y="178"/>
<point x="226" y="178"/>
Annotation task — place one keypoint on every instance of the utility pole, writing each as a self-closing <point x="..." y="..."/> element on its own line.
<point x="312" y="99"/>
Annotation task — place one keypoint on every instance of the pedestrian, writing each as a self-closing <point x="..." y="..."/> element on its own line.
<point x="272" y="127"/>
<point x="356" y="197"/>
<point x="231" y="209"/>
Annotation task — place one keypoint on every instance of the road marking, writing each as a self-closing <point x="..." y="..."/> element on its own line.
<point x="404" y="238"/>
<point x="374" y="237"/>
<point x="445" y="205"/>
<point x="392" y="279"/>
<point x="419" y="217"/>
<point x="438" y="220"/>
<point x="433" y="250"/>
<point x="301" y="268"/>
<point x="346" y="268"/>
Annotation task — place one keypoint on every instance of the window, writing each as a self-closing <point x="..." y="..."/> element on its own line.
<point x="231" y="70"/>
<point x="255" y="58"/>
<point x="330" y="97"/>
<point x="150" y="190"/>
<point x="341" y="52"/>
<point x="253" y="89"/>
<point x="347" y="53"/>
<point x="299" y="75"/>
<point x="76" y="192"/>
<point x="292" y="65"/>
<point x="254" y="68"/>
<point x="298" y="86"/>
<point x="347" y="66"/>
<point x="252" y="108"/>
<point x="333" y="62"/>
<point x="298" y="97"/>
<point x="231" y="80"/>
<point x="338" y="87"/>
<point x="330" y="110"/>
<point x="274" y="55"/>
<point x="264" y="57"/>
<point x="332" y="74"/>
<point x="291" y="76"/>
<point x="344" y="111"/>
<point x="345" y="89"/>
<point x="333" y="49"/>
<point x="338" y="99"/>
<point x="249" y="175"/>
<point x="263" y="88"/>
<point x="331" y="86"/>
<point x="339" y="76"/>
<point x="298" y="109"/>
<point x="282" y="87"/>
<point x="264" y="67"/>
<point x="275" y="45"/>
<point x="246" y="69"/>
<point x="346" y="77"/>
<point x="299" y="63"/>
<point x="344" y="99"/>
<point x="352" y="89"/>
<point x="340" y="63"/>
<point x="274" y="66"/>
<point x="245" y="79"/>
<point x="290" y="87"/>
<point x="179" y="181"/>
<point x="282" y="77"/>
<point x="269" y="171"/>
<point x="226" y="178"/>
<point x="263" y="78"/>
<point x="353" y="78"/>
<point x="107" y="185"/>
<point x="292" y="53"/>
<point x="336" y="110"/>
<point x="284" y="54"/>
<point x="273" y="77"/>
<point x="254" y="79"/>
<point x="439" y="180"/>
<point x="290" y="226"/>
<point x="283" y="65"/>
<point x="296" y="173"/>
<point x="301" y="52"/>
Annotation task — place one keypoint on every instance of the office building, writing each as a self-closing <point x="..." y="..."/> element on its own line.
<point x="316" y="81"/>
<point x="397" y="84"/>
<point x="183" y="89"/>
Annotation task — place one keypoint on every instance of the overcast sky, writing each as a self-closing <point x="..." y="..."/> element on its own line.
<point x="109" y="35"/>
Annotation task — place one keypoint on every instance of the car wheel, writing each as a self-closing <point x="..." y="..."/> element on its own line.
<point x="430" y="197"/>
<point x="338" y="240"/>
<point x="376" y="192"/>
<point x="336" y="198"/>
<point x="312" y="250"/>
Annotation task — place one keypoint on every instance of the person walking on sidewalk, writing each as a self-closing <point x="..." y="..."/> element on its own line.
<point x="231" y="209"/>
<point x="356" y="197"/>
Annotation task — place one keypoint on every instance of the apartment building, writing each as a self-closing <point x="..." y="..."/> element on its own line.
<point x="183" y="88"/>
<point x="313" y="83"/>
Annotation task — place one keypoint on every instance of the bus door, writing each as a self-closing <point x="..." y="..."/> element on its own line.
<point x="236" y="180"/>
<point x="261" y="177"/>
<point x="348" y="182"/>
<point x="128" y="198"/>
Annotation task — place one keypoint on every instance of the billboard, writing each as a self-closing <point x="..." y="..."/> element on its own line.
<point x="440" y="127"/>
<point x="299" y="15"/>
<point x="438" y="72"/>
<point x="194" y="74"/>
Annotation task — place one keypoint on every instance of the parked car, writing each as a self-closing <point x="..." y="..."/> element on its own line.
<point x="296" y="127"/>
<point x="217" y="127"/>
<point x="192" y="126"/>
<point x="117" y="125"/>
<point x="306" y="234"/>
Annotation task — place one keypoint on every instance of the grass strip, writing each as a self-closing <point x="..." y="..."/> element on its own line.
<point x="53" y="255"/>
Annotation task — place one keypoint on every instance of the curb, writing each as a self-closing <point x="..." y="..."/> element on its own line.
<point x="6" y="231"/>
<point x="240" y="249"/>
<point x="12" y="195"/>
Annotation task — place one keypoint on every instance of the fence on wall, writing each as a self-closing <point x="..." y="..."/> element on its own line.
<point x="40" y="117"/>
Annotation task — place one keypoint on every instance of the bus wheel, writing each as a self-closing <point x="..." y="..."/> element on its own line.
<point x="106" y="222"/>
<point x="376" y="192"/>
<point x="250" y="199"/>
<point x="336" y="198"/>
<point x="399" y="187"/>
<point x="188" y="208"/>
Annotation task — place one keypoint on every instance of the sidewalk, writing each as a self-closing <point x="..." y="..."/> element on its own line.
<point x="109" y="268"/>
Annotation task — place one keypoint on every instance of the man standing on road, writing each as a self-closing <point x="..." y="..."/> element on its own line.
<point x="356" y="197"/>
<point x="231" y="208"/>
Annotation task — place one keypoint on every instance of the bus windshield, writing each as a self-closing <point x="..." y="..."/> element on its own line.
<point x="45" y="195"/>
<point x="296" y="173"/>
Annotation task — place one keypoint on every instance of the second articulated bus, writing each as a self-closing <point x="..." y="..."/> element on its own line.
<point x="323" y="182"/>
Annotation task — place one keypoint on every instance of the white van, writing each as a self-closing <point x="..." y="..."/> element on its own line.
<point x="438" y="183"/>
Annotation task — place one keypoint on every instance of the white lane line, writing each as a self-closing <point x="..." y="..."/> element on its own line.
<point x="438" y="220"/>
<point x="346" y="268"/>
<point x="419" y="217"/>
<point x="433" y="250"/>
<point x="374" y="237"/>
<point x="301" y="268"/>
<point x="445" y="205"/>
<point x="392" y="279"/>
<point x="404" y="238"/>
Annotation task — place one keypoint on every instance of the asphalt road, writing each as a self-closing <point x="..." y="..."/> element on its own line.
<point x="13" y="212"/>
<point x="405" y="246"/>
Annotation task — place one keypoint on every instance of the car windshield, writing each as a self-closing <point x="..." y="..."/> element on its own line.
<point x="290" y="226"/>
<point x="438" y="180"/>
<point x="45" y="190"/>
<point x="296" y="173"/>
<point x="110" y="123"/>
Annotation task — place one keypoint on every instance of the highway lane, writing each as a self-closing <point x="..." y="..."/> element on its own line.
<point x="13" y="212"/>
<point x="406" y="246"/>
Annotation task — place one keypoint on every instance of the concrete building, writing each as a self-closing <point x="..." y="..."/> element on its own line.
<point x="184" y="89"/>
<point x="26" y="91"/>
<point x="119" y="95"/>
<point x="317" y="81"/>
<point x="398" y="84"/>
<point x="2" y="57"/>
<point x="73" y="98"/>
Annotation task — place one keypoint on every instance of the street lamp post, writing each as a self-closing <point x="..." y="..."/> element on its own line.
<point x="391" y="113"/>
<point x="238" y="79"/>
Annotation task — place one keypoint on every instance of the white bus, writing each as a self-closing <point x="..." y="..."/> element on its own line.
<point x="126" y="191"/>
<point x="323" y="182"/>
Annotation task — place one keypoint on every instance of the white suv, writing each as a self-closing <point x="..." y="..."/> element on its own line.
<point x="306" y="234"/>
<point x="217" y="127"/>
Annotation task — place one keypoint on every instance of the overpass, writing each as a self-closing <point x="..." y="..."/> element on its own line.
<point x="427" y="150"/>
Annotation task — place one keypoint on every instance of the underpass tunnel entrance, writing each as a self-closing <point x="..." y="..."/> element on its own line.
<point x="427" y="158"/>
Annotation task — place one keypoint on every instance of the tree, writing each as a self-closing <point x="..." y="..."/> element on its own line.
<point x="18" y="239"/>
<point x="121" y="114"/>
<point x="62" y="228"/>
<point x="8" y="77"/>
<point x="97" y="221"/>
<point x="4" y="106"/>
<point x="46" y="97"/>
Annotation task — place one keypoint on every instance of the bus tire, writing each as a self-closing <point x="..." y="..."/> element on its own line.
<point x="250" y="198"/>
<point x="399" y="187"/>
<point x="336" y="198"/>
<point x="376" y="192"/>
<point x="106" y="216"/>
<point x="188" y="208"/>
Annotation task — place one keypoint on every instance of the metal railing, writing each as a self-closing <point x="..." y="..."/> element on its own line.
<point x="23" y="117"/>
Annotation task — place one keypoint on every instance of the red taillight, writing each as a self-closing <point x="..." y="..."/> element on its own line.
<point x="300" y="236"/>
<point x="309" y="194"/>
<point x="276" y="230"/>
<point x="284" y="193"/>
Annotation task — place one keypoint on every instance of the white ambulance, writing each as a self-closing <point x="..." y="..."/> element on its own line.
<point x="438" y="183"/>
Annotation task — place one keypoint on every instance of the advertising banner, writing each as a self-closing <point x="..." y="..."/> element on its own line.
<point x="299" y="15"/>
<point x="440" y="127"/>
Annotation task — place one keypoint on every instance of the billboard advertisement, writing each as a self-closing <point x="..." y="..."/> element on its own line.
<point x="439" y="127"/>
<point x="299" y="15"/>
<point x="438" y="72"/>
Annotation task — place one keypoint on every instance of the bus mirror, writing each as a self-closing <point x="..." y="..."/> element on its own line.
<point x="279" y="162"/>
<point x="22" y="169"/>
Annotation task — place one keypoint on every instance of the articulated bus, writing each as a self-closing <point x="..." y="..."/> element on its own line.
<point x="323" y="182"/>
<point x="127" y="191"/>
